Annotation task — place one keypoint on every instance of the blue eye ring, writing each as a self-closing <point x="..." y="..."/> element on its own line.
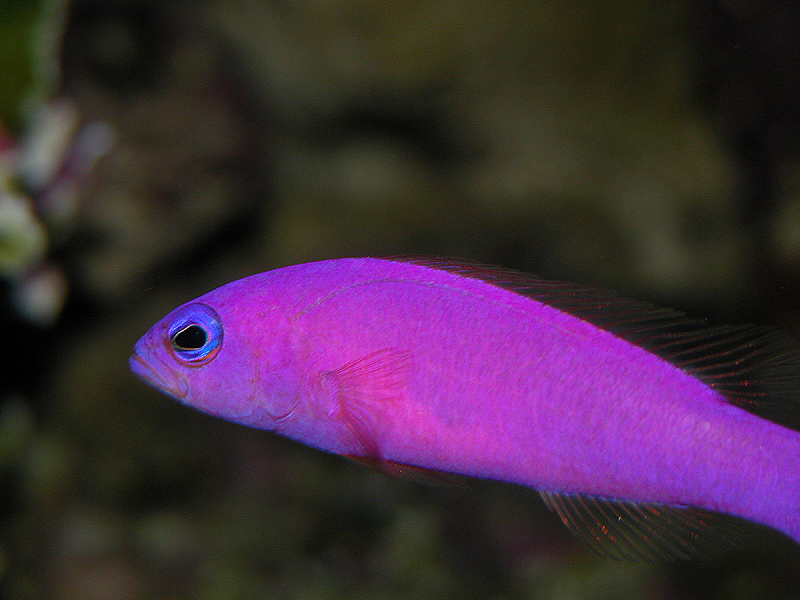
<point x="195" y="336"/>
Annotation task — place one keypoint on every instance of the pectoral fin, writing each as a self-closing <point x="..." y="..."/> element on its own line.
<point x="365" y="390"/>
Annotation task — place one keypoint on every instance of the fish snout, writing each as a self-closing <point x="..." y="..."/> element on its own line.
<point x="165" y="379"/>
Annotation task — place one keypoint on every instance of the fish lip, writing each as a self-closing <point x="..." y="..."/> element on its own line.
<point x="174" y="387"/>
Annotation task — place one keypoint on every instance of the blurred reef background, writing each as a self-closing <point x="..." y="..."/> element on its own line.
<point x="150" y="151"/>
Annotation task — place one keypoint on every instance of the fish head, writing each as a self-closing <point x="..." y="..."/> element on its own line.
<point x="219" y="355"/>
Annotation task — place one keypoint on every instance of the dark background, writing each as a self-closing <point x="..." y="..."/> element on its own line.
<point x="651" y="147"/>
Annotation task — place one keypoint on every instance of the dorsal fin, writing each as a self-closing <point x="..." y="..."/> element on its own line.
<point x="754" y="368"/>
<point x="635" y="531"/>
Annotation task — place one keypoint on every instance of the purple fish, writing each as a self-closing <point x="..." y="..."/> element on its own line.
<point x="643" y="429"/>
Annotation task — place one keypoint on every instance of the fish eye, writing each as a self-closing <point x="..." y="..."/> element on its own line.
<point x="195" y="335"/>
<point x="191" y="337"/>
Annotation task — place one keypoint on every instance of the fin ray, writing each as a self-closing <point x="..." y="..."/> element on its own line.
<point x="641" y="531"/>
<point x="362" y="386"/>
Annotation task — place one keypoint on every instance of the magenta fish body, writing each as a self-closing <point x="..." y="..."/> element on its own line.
<point x="636" y="424"/>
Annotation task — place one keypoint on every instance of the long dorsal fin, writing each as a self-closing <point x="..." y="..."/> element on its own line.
<point x="754" y="368"/>
<point x="636" y="531"/>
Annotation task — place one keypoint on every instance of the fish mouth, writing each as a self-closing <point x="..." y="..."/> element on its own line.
<point x="171" y="383"/>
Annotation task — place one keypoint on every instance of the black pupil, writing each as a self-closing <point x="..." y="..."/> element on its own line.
<point x="192" y="337"/>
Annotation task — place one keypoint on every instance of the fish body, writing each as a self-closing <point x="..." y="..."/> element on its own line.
<point x="488" y="373"/>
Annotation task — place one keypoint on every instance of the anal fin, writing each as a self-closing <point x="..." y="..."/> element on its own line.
<point x="641" y="531"/>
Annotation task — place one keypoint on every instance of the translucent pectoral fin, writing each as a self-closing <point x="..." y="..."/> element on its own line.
<point x="638" y="531"/>
<point x="365" y="391"/>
